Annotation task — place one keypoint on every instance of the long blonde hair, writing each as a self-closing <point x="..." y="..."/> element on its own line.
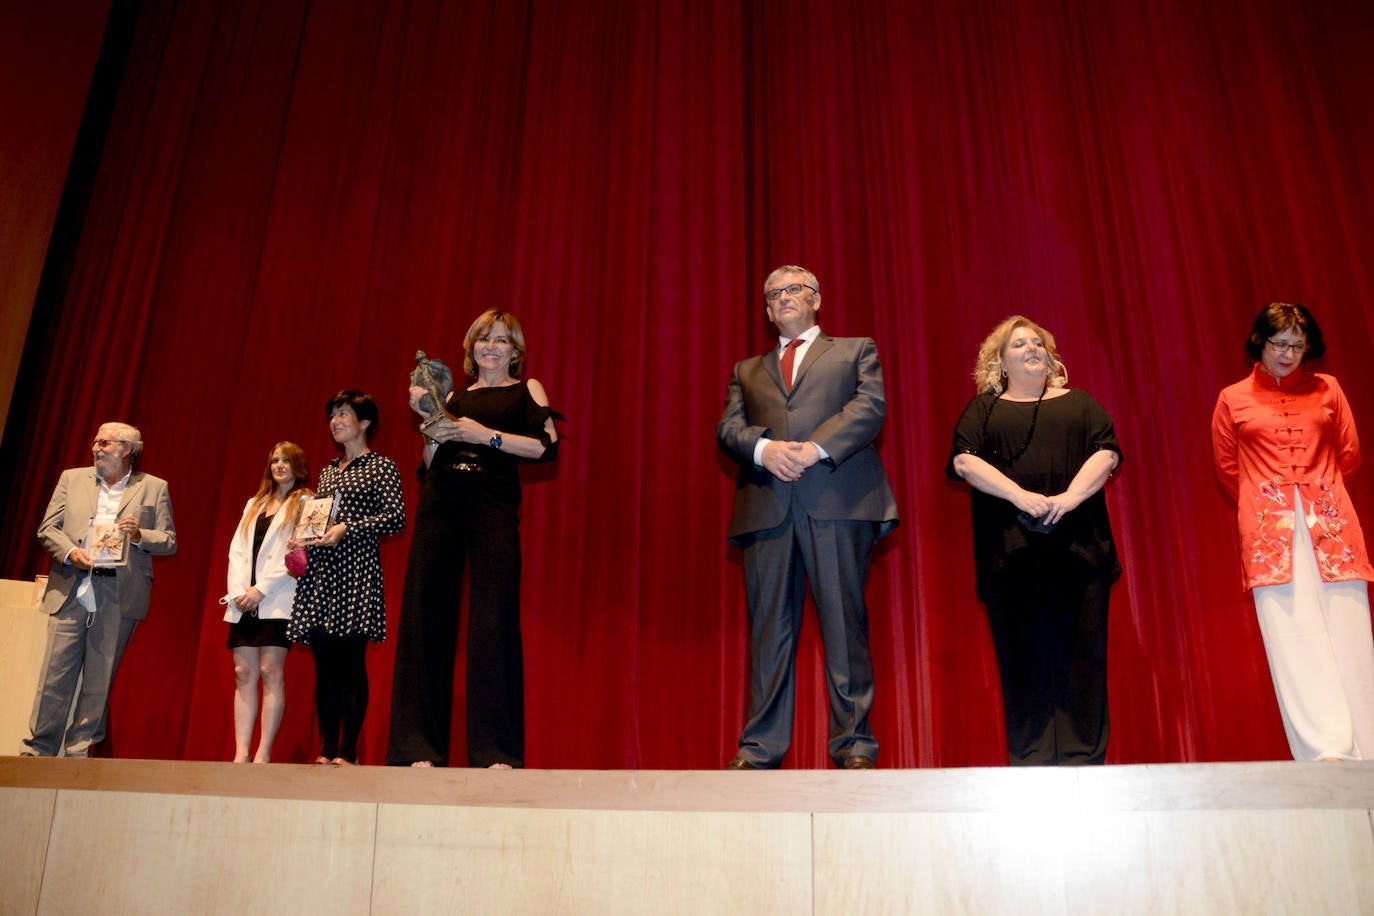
<point x="988" y="375"/>
<point x="291" y="505"/>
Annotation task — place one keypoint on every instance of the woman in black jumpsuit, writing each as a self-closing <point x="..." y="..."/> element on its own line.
<point x="469" y="511"/>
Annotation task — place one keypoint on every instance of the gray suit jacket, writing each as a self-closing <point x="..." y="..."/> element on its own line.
<point x="69" y="517"/>
<point x="837" y="401"/>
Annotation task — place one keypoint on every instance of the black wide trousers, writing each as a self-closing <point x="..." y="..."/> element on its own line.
<point x="472" y="518"/>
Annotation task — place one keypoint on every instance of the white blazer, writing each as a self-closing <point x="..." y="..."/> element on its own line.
<point x="276" y="584"/>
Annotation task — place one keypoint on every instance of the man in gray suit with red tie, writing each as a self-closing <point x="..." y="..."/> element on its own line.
<point x="811" y="501"/>
<point x="103" y="526"/>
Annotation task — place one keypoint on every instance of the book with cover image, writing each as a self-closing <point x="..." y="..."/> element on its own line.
<point x="314" y="520"/>
<point x="109" y="546"/>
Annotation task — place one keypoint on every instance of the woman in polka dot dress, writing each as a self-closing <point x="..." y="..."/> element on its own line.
<point x="339" y="604"/>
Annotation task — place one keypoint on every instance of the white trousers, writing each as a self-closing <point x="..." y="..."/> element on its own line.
<point x="1321" y="656"/>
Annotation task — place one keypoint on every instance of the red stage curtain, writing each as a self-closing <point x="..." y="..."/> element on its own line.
<point x="294" y="197"/>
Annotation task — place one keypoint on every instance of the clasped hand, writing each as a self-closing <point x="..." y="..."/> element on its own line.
<point x="787" y="461"/>
<point x="1049" y="509"/>
<point x="249" y="600"/>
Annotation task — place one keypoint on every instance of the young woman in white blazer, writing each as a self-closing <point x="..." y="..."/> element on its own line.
<point x="259" y="598"/>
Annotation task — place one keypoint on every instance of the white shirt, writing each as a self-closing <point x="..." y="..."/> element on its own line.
<point x="106" y="506"/>
<point x="806" y="337"/>
<point x="107" y="502"/>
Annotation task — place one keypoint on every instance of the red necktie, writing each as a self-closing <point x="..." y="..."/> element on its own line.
<point x="789" y="356"/>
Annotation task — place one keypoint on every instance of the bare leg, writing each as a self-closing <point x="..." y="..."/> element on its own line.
<point x="245" y="700"/>
<point x="272" y="664"/>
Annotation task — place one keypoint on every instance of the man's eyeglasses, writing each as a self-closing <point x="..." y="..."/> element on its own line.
<point x="1283" y="346"/>
<point x="792" y="289"/>
<point x="103" y="443"/>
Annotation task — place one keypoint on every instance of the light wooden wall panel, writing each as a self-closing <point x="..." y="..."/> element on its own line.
<point x="1121" y="862"/>
<point x="510" y="860"/>
<point x="130" y="852"/>
<point x="25" y="819"/>
<point x="23" y="634"/>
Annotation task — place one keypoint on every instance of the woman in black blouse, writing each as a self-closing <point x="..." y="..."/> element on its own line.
<point x="469" y="511"/>
<point x="1037" y="455"/>
<point x="340" y="603"/>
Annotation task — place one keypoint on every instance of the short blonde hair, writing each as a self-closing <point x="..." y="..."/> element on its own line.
<point x="988" y="375"/>
<point x="807" y="276"/>
<point x="481" y="327"/>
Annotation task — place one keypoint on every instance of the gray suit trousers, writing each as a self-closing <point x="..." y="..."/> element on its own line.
<point x="82" y="649"/>
<point x="834" y="557"/>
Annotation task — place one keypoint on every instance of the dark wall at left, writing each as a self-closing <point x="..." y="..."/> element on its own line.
<point x="48" y="54"/>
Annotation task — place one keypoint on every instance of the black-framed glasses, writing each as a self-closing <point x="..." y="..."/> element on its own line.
<point x="103" y="443"/>
<point x="792" y="289"/>
<point x="1282" y="346"/>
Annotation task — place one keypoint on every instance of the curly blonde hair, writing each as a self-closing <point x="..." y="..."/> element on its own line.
<point x="988" y="375"/>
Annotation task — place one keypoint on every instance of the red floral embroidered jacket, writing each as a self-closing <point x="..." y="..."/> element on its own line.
<point x="1270" y="435"/>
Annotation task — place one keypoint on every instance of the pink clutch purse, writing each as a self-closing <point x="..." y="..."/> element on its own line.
<point x="295" y="562"/>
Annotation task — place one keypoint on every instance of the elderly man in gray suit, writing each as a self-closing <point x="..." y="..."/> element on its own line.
<point x="103" y="526"/>
<point x="811" y="501"/>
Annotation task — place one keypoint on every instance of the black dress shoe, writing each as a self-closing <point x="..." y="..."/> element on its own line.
<point x="858" y="762"/>
<point x="739" y="763"/>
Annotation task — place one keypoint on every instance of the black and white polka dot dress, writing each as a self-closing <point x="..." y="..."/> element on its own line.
<point x="341" y="589"/>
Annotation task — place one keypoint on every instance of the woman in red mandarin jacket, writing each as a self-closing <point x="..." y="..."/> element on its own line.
<point x="1285" y="447"/>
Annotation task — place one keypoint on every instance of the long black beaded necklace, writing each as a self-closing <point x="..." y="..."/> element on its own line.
<point x="1035" y="415"/>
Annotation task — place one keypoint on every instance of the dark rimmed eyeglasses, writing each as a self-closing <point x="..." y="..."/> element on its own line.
<point x="792" y="289"/>
<point x="1283" y="346"/>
